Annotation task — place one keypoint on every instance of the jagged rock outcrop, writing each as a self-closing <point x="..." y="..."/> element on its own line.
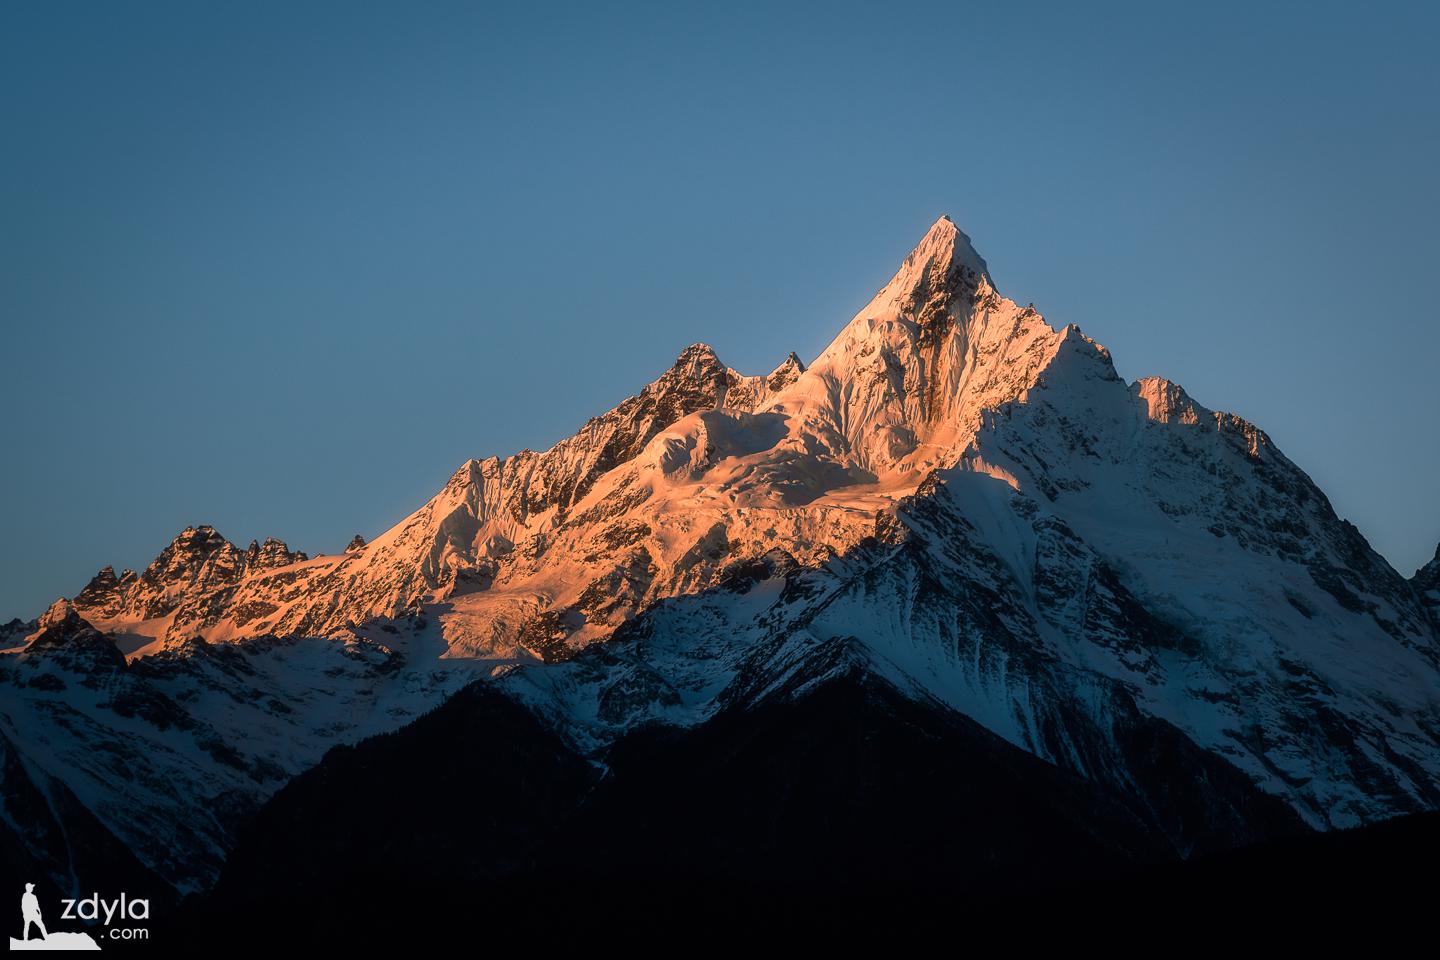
<point x="1427" y="584"/>
<point x="104" y="594"/>
<point x="271" y="555"/>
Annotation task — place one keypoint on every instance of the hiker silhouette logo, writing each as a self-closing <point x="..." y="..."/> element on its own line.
<point x="34" y="935"/>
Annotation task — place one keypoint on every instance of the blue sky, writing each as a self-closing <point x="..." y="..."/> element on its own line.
<point x="282" y="267"/>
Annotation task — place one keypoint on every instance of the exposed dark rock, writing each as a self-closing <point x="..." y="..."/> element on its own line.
<point x="851" y="791"/>
<point x="102" y="596"/>
<point x="65" y="639"/>
<point x="1427" y="584"/>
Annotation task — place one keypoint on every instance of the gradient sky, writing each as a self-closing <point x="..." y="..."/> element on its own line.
<point x="282" y="267"/>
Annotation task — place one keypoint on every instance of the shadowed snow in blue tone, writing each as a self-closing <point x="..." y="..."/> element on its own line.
<point x="282" y="267"/>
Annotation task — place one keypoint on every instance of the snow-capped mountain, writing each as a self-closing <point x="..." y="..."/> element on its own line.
<point x="954" y="499"/>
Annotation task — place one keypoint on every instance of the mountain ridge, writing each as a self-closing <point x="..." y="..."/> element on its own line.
<point x="954" y="496"/>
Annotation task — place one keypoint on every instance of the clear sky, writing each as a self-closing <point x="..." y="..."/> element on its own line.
<point x="282" y="267"/>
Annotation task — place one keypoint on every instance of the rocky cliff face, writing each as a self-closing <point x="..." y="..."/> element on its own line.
<point x="955" y="500"/>
<point x="1427" y="585"/>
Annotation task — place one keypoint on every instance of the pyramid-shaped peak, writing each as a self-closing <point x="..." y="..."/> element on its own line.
<point x="791" y="362"/>
<point x="203" y="536"/>
<point x="58" y="613"/>
<point x="944" y="247"/>
<point x="787" y="373"/>
<point x="697" y="353"/>
<point x="697" y="364"/>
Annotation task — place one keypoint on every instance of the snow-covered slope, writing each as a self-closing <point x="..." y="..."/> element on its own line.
<point x="954" y="494"/>
<point x="172" y="751"/>
<point x="1065" y="629"/>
